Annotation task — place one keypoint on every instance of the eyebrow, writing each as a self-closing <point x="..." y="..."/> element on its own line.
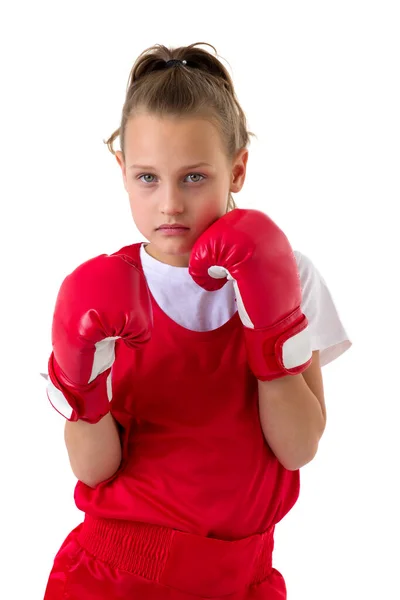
<point x="148" y="167"/>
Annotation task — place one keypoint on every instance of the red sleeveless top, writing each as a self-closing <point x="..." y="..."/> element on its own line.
<point x="194" y="455"/>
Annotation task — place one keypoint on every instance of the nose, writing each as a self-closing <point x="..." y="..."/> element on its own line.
<point x="171" y="200"/>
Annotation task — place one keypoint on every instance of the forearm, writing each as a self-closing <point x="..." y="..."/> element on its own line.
<point x="94" y="450"/>
<point x="291" y="419"/>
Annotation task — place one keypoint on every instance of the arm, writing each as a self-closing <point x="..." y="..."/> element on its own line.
<point x="248" y="248"/>
<point x="293" y="415"/>
<point x="94" y="450"/>
<point x="105" y="299"/>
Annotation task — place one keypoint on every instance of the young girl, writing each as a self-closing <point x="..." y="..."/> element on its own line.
<point x="189" y="367"/>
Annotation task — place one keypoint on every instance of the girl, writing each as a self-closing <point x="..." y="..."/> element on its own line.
<point x="189" y="367"/>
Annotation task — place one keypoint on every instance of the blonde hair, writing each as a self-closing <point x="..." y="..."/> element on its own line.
<point x="201" y="86"/>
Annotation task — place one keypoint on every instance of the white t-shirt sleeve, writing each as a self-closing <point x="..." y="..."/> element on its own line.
<point x="328" y="334"/>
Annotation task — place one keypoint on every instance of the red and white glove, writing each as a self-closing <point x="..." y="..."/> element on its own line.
<point x="104" y="299"/>
<point x="247" y="247"/>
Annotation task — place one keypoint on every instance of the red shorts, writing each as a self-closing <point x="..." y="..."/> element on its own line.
<point x="104" y="559"/>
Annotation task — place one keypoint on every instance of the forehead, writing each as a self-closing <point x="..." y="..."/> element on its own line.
<point x="179" y="136"/>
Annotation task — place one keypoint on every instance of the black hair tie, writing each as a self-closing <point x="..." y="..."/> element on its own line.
<point x="175" y="62"/>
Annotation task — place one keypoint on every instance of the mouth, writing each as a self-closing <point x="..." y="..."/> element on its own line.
<point x="174" y="230"/>
<point x="174" y="227"/>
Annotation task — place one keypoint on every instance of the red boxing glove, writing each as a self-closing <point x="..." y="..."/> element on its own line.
<point x="247" y="247"/>
<point x="104" y="299"/>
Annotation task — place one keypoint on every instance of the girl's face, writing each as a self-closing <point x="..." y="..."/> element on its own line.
<point x="176" y="172"/>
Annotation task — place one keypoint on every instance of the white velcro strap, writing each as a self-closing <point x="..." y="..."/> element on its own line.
<point x="57" y="399"/>
<point x="104" y="356"/>
<point x="109" y="387"/>
<point x="297" y="350"/>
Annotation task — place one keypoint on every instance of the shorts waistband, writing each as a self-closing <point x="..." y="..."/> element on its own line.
<point x="189" y="563"/>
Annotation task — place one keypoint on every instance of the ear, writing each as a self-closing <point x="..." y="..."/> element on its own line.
<point x="239" y="165"/>
<point x="121" y="162"/>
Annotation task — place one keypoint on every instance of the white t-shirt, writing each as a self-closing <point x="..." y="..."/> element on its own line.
<point x="199" y="310"/>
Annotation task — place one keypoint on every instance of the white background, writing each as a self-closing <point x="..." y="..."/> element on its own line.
<point x="319" y="82"/>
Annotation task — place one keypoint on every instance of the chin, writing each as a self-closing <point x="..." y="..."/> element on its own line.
<point x="171" y="251"/>
<point x="181" y="252"/>
<point x="174" y="246"/>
